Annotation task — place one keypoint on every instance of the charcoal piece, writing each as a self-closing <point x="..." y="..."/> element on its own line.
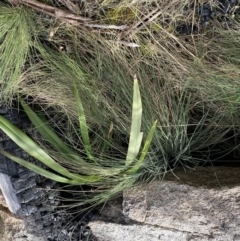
<point x="22" y="169"/>
<point x="26" y="175"/>
<point x="7" y="166"/>
<point x="64" y="232"/>
<point x="49" y="184"/>
<point x="186" y="29"/>
<point x="29" y="209"/>
<point x="61" y="238"/>
<point x="85" y="233"/>
<point x="47" y="230"/>
<point x="30" y="194"/>
<point x="3" y="110"/>
<point x="20" y="185"/>
<point x="39" y="224"/>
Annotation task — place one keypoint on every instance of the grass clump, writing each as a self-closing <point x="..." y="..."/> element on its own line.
<point x="82" y="80"/>
<point x="16" y="38"/>
<point x="106" y="176"/>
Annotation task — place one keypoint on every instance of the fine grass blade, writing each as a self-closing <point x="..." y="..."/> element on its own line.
<point x="37" y="169"/>
<point x="83" y="125"/>
<point x="16" y="34"/>
<point x="28" y="145"/>
<point x="135" y="134"/>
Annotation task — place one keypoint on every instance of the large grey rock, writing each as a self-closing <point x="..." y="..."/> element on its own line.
<point x="197" y="206"/>
<point x="134" y="232"/>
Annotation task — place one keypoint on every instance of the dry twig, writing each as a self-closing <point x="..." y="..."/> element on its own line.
<point x="66" y="16"/>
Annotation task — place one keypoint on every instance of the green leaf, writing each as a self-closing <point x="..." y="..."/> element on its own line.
<point x="37" y="169"/>
<point x="28" y="145"/>
<point x="41" y="124"/>
<point x="83" y="125"/>
<point x="148" y="141"/>
<point x="46" y="131"/>
<point x="135" y="134"/>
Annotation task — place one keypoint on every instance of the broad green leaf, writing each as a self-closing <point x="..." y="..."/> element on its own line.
<point x="148" y="141"/>
<point x="37" y="169"/>
<point x="41" y="124"/>
<point x="83" y="125"/>
<point x="47" y="132"/>
<point x="135" y="134"/>
<point x="146" y="146"/>
<point x="28" y="145"/>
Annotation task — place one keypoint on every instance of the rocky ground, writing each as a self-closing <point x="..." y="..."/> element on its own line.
<point x="197" y="207"/>
<point x="204" y="208"/>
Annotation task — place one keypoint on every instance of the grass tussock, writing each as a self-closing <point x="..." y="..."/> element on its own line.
<point x="189" y="83"/>
<point x="16" y="36"/>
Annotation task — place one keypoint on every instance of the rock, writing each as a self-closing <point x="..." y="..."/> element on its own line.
<point x="12" y="228"/>
<point x="9" y="194"/>
<point x="197" y="206"/>
<point x="117" y="232"/>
